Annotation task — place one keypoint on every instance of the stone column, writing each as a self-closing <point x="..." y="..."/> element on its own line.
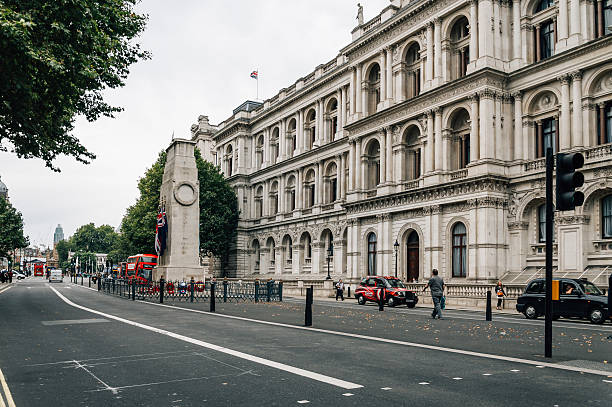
<point x="318" y="120"/>
<point x="342" y="115"/>
<point x="241" y="155"/>
<point x="383" y="157"/>
<point x="365" y="109"/>
<point x="562" y="20"/>
<point x="352" y="166"/>
<point x="500" y="151"/>
<point x="485" y="36"/>
<point x="439" y="159"/>
<point x="353" y="90"/>
<point x="430" y="155"/>
<point x="446" y="138"/>
<point x="389" y="68"/>
<point x="358" y="166"/>
<point x="253" y="153"/>
<point x="586" y="124"/>
<point x="282" y="140"/>
<point x="487" y="134"/>
<point x="299" y="186"/>
<point x="342" y="180"/>
<point x="518" y="125"/>
<point x="266" y="148"/>
<point x="516" y="29"/>
<point x="383" y="75"/>
<point x="318" y="181"/>
<point x="430" y="53"/>
<point x="339" y="176"/>
<point x="338" y="115"/>
<point x="299" y="131"/>
<point x="564" y="131"/>
<point x="437" y="48"/>
<point x="577" y="109"/>
<point x="497" y="45"/>
<point x="389" y="154"/>
<point x="575" y="17"/>
<point x="474" y="135"/>
<point x="600" y="24"/>
<point x="358" y="90"/>
<point x="280" y="194"/>
<point x="473" y="30"/>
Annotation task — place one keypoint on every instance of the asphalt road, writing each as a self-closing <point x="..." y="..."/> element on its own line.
<point x="67" y="345"/>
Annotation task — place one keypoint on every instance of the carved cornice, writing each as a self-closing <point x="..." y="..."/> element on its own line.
<point x="518" y="225"/>
<point x="452" y="189"/>
<point x="572" y="220"/>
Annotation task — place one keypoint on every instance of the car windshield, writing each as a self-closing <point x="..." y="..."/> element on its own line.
<point x="589" y="288"/>
<point x="395" y="283"/>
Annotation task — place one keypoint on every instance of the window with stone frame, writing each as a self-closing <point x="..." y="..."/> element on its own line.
<point x="259" y="202"/>
<point x="373" y="165"/>
<point x="309" y="189"/>
<point x="459" y="250"/>
<point x="274" y="198"/>
<point x="259" y="147"/>
<point x="413" y="71"/>
<point x="543" y="5"/>
<point x="604" y="123"/>
<point x="547" y="135"/>
<point x="412" y="154"/>
<point x="373" y="88"/>
<point x="229" y="158"/>
<point x="602" y="18"/>
<point x="311" y="125"/>
<point x="372" y="254"/>
<point x="460" y="133"/>
<point x="333" y="113"/>
<point x="606" y="217"/>
<point x="291" y="137"/>
<point x="543" y="22"/>
<point x="460" y="48"/>
<point x="547" y="39"/>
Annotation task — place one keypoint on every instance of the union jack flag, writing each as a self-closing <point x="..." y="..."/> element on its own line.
<point x="161" y="231"/>
<point x="254" y="74"/>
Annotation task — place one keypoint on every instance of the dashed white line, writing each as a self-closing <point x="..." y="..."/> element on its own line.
<point x="486" y="374"/>
<point x="607" y="381"/>
<point x="277" y="365"/>
<point x="457" y="378"/>
<point x="424" y="383"/>
<point x="303" y="401"/>
<point x="7" y="391"/>
<point x="385" y="388"/>
<point x="348" y="394"/>
<point x="514" y="370"/>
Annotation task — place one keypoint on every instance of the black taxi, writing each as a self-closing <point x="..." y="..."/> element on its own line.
<point x="578" y="298"/>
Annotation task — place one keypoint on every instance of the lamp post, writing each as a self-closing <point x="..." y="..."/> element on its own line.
<point x="330" y="254"/>
<point x="396" y="247"/>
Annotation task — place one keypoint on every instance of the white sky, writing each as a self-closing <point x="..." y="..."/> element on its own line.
<point x="203" y="52"/>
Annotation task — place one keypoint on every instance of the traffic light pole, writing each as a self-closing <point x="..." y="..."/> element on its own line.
<point x="550" y="163"/>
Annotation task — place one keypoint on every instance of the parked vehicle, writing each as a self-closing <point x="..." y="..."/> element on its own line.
<point x="56" y="275"/>
<point x="578" y="298"/>
<point x="18" y="275"/>
<point x="395" y="292"/>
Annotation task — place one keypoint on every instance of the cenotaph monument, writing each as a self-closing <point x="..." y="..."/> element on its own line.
<point x="179" y="195"/>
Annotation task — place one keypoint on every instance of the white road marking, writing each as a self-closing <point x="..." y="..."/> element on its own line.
<point x="189" y="379"/>
<point x="7" y="391"/>
<point x="281" y="366"/>
<point x="303" y="401"/>
<point x="515" y="370"/>
<point x="423" y="383"/>
<point x="457" y="378"/>
<point x="348" y="394"/>
<point x="396" y="342"/>
<point x="540" y="366"/>
<point x="74" y="321"/>
<point x="6" y="289"/>
<point x="106" y="386"/>
<point x="607" y="381"/>
<point x="486" y="374"/>
<point x="385" y="388"/>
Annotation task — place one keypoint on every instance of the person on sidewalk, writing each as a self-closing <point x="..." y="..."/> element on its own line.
<point x="499" y="291"/>
<point x="436" y="285"/>
<point x="340" y="290"/>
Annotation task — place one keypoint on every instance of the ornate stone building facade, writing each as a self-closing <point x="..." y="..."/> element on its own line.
<point x="421" y="146"/>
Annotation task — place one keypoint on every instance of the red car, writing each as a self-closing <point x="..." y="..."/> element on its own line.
<point x="395" y="291"/>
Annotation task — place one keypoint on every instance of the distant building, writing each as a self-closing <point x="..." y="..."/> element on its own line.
<point x="3" y="190"/>
<point x="58" y="236"/>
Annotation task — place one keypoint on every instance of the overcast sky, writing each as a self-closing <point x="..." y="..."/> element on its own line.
<point x="203" y="52"/>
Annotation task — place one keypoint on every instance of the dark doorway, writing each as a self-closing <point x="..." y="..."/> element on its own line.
<point x="413" y="257"/>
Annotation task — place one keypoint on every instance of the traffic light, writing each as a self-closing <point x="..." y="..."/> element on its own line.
<point x="568" y="179"/>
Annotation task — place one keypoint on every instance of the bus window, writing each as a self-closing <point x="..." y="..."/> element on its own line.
<point x="148" y="259"/>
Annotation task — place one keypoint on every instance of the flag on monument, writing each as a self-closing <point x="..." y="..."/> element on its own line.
<point x="254" y="74"/>
<point x="161" y="231"/>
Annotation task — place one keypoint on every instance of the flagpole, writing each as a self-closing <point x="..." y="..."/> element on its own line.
<point x="257" y="80"/>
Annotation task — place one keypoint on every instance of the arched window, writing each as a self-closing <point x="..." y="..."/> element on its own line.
<point x="542" y="223"/>
<point x="543" y="5"/>
<point x="459" y="250"/>
<point x="604" y="120"/>
<point x="259" y="202"/>
<point x="333" y="112"/>
<point x="373" y="89"/>
<point x="274" y="146"/>
<point x="289" y="248"/>
<point x="308" y="246"/>
<point x="331" y="183"/>
<point x="291" y="138"/>
<point x="606" y="217"/>
<point x="546" y="136"/>
<point x="274" y="198"/>
<point x="460" y="139"/>
<point x="290" y="194"/>
<point x="412" y="154"/>
<point x="311" y="125"/>
<point x="256" y="254"/>
<point x="259" y="147"/>
<point x="373" y="160"/>
<point x="413" y="66"/>
<point x="603" y="18"/>
<point x="372" y="254"/>
<point x="460" y="45"/>
<point x="229" y="157"/>
<point x="309" y="189"/>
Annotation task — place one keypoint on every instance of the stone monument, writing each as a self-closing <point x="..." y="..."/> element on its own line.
<point x="179" y="195"/>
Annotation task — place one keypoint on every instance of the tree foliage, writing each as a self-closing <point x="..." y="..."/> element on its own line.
<point x="56" y="58"/>
<point x="11" y="229"/>
<point x="138" y="225"/>
<point x="89" y="238"/>
<point x="218" y="212"/>
<point x="62" y="247"/>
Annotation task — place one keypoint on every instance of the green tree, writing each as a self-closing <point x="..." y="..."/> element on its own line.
<point x="89" y="238"/>
<point x="138" y="225"/>
<point x="11" y="229"/>
<point x="56" y="58"/>
<point x="62" y="247"/>
<point x="218" y="212"/>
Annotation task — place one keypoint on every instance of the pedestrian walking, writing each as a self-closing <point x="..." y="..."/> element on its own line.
<point x="340" y="290"/>
<point x="499" y="291"/>
<point x="436" y="285"/>
<point x="10" y="276"/>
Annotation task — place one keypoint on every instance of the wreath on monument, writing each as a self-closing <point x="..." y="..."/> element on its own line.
<point x="199" y="286"/>
<point x="170" y="288"/>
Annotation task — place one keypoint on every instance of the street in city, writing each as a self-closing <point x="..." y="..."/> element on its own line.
<point x="100" y="350"/>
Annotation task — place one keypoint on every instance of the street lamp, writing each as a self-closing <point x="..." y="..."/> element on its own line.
<point x="330" y="254"/>
<point x="396" y="248"/>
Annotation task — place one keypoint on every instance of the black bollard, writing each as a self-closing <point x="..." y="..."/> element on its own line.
<point x="381" y="299"/>
<point x="256" y="290"/>
<point x="161" y="290"/>
<point x="81" y="279"/>
<point x="488" y="317"/>
<point x="99" y="284"/>
<point x="192" y="284"/>
<point x="134" y="289"/>
<point x="268" y="290"/>
<point x="224" y="290"/>
<point x="212" y="296"/>
<point x="308" y="311"/>
<point x="349" y="291"/>
<point x="280" y="291"/>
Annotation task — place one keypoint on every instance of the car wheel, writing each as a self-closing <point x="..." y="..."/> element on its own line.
<point x="361" y="300"/>
<point x="392" y="302"/>
<point x="531" y="312"/>
<point x="596" y="316"/>
<point x="411" y="305"/>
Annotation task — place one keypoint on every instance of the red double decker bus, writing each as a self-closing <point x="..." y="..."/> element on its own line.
<point x="39" y="269"/>
<point x="139" y="266"/>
